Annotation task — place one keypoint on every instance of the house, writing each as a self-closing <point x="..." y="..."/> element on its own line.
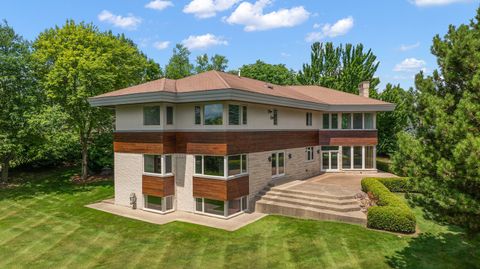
<point x="210" y="142"/>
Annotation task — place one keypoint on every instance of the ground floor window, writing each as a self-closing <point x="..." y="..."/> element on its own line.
<point x="157" y="203"/>
<point x="358" y="157"/>
<point x="221" y="208"/>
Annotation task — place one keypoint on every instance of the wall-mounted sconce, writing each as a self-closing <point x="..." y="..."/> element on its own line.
<point x="318" y="151"/>
<point x="289" y="155"/>
<point x="270" y="158"/>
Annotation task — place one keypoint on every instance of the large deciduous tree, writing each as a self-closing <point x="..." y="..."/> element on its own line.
<point x="341" y="68"/>
<point x="78" y="61"/>
<point x="18" y="97"/>
<point x="443" y="152"/>
<point x="217" y="62"/>
<point x="179" y="65"/>
<point x="274" y="73"/>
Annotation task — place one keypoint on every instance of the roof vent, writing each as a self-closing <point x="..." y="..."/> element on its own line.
<point x="268" y="85"/>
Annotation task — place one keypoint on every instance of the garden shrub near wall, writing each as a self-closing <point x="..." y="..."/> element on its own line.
<point x="383" y="164"/>
<point x="390" y="213"/>
<point x="397" y="184"/>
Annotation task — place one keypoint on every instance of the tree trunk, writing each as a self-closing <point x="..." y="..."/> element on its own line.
<point x="5" y="168"/>
<point x="84" y="159"/>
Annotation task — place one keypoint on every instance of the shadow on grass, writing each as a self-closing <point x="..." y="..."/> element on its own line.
<point x="56" y="182"/>
<point x="443" y="250"/>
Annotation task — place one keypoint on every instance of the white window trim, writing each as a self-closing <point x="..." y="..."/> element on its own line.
<point x="330" y="160"/>
<point x="363" y="158"/>
<point x="162" y="173"/>
<point x="308" y="155"/>
<point x="340" y="120"/>
<point x="225" y="208"/>
<point x="164" y="205"/>
<point x="241" y="109"/>
<point x="225" y="167"/>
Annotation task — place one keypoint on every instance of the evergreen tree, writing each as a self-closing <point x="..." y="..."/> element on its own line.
<point x="179" y="65"/>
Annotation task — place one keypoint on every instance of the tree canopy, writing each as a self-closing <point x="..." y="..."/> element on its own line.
<point x="217" y="62"/>
<point x="77" y="61"/>
<point x="443" y="151"/>
<point x="273" y="73"/>
<point x="179" y="65"/>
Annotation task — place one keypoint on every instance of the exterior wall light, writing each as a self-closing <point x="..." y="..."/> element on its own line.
<point x="270" y="158"/>
<point x="289" y="155"/>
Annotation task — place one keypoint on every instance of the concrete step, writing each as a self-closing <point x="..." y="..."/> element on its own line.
<point x="333" y="201"/>
<point x="299" y="202"/>
<point x="305" y="212"/>
<point x="313" y="194"/>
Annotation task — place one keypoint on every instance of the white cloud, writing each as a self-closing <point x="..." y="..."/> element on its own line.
<point x="160" y="45"/>
<point x="129" y="22"/>
<point x="316" y="25"/>
<point x="159" y="4"/>
<point x="203" y="41"/>
<point x="404" y="47"/>
<point x="341" y="27"/>
<point x="208" y="8"/>
<point x="252" y="16"/>
<point x="285" y="55"/>
<point x="425" y="3"/>
<point x="410" y="65"/>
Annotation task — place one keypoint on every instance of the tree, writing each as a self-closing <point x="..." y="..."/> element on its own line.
<point x="341" y="68"/>
<point x="77" y="61"/>
<point x="390" y="123"/>
<point x="179" y="65"/>
<point x="217" y="62"/>
<point x="443" y="151"/>
<point x="274" y="73"/>
<point x="18" y="97"/>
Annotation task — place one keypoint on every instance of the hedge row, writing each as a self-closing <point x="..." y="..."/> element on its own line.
<point x="391" y="213"/>
<point x="397" y="184"/>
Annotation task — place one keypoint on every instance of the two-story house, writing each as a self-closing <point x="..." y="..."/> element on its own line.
<point x="210" y="142"/>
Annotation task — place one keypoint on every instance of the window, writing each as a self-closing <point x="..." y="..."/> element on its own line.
<point x="309" y="118"/>
<point x="326" y="121"/>
<point x="154" y="164"/>
<point x="357" y="157"/>
<point x="346" y="157"/>
<point x="244" y="115"/>
<point x="275" y="117"/>
<point x="199" y="165"/>
<point x="237" y="164"/>
<point x="278" y="163"/>
<point x="233" y="114"/>
<point x="151" y="115"/>
<point x="159" y="203"/>
<point x="369" y="157"/>
<point x="220" y="208"/>
<point x="169" y="115"/>
<point x="198" y="115"/>
<point x="346" y="120"/>
<point x="368" y="120"/>
<point x="213" y="166"/>
<point x="213" y="114"/>
<point x="334" y="121"/>
<point x="310" y="154"/>
<point x="357" y="121"/>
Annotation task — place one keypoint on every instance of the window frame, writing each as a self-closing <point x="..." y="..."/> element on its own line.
<point x="159" y="115"/>
<point x="162" y="164"/>
<point x="239" y="117"/>
<point x="167" y="122"/>
<point x="225" y="166"/>
<point x="363" y="167"/>
<point x="277" y="174"/>
<point x="164" y="209"/>
<point x="222" y="118"/>
<point x="243" y="207"/>
<point x="275" y="116"/>
<point x="309" y="118"/>
<point x="310" y="154"/>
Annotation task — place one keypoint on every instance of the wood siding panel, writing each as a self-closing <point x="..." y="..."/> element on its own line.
<point x="127" y="147"/>
<point x="145" y="142"/>
<point x="158" y="186"/>
<point x="219" y="189"/>
<point x="353" y="137"/>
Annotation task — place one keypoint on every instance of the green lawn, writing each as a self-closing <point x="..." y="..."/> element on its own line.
<point x="44" y="224"/>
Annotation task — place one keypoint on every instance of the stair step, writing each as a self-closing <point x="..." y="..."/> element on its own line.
<point x="312" y="194"/>
<point x="279" y="208"/>
<point x="310" y="198"/>
<point x="314" y="204"/>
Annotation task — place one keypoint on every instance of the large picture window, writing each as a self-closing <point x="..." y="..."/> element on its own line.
<point x="157" y="164"/>
<point x="213" y="114"/>
<point x="151" y="115"/>
<point x="221" y="208"/>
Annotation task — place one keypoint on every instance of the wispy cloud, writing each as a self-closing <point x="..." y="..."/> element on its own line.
<point x="404" y="47"/>
<point x="339" y="28"/>
<point x="208" y="8"/>
<point x="159" y="4"/>
<point x="203" y="41"/>
<point x="425" y="3"/>
<point x="410" y="65"/>
<point x="252" y="16"/>
<point x="129" y="22"/>
<point x="160" y="45"/>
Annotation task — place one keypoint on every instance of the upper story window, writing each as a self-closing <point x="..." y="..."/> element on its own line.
<point x="309" y="118"/>
<point x="213" y="114"/>
<point x="357" y="121"/>
<point x="157" y="164"/>
<point x="151" y="115"/>
<point x="346" y="120"/>
<point x="198" y="115"/>
<point x="349" y="121"/>
<point x="237" y="114"/>
<point x="310" y="153"/>
<point x="169" y="115"/>
<point x="221" y="166"/>
<point x="368" y="121"/>
<point x="330" y="121"/>
<point x="275" y="117"/>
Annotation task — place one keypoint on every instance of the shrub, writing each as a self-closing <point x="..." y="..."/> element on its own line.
<point x="391" y="213"/>
<point x="384" y="165"/>
<point x="397" y="184"/>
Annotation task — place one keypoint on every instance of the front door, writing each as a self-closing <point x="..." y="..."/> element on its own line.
<point x="330" y="158"/>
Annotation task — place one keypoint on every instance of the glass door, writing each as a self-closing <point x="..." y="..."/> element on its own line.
<point x="330" y="157"/>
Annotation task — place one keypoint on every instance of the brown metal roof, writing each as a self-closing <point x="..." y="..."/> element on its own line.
<point x="214" y="80"/>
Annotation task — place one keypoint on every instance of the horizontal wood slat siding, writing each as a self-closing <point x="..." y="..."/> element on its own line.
<point x="158" y="186"/>
<point x="354" y="137"/>
<point x="219" y="189"/>
<point x="225" y="143"/>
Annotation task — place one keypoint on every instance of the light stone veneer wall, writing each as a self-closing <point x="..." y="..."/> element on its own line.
<point x="295" y="168"/>
<point x="128" y="178"/>
<point x="184" y="182"/>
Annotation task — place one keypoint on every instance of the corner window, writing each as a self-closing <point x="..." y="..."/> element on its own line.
<point x="368" y="120"/>
<point x="244" y="115"/>
<point x="237" y="164"/>
<point x="346" y="120"/>
<point x="310" y="153"/>
<point x="357" y="120"/>
<point x="220" y="208"/>
<point x="169" y="115"/>
<point x="151" y="115"/>
<point x="157" y="164"/>
<point x="209" y="165"/>
<point x="233" y="114"/>
<point x="213" y="114"/>
<point x="308" y="119"/>
<point x="159" y="203"/>
<point x="326" y="121"/>
<point x="198" y="115"/>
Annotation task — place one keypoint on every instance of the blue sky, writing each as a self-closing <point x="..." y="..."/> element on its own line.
<point x="399" y="32"/>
